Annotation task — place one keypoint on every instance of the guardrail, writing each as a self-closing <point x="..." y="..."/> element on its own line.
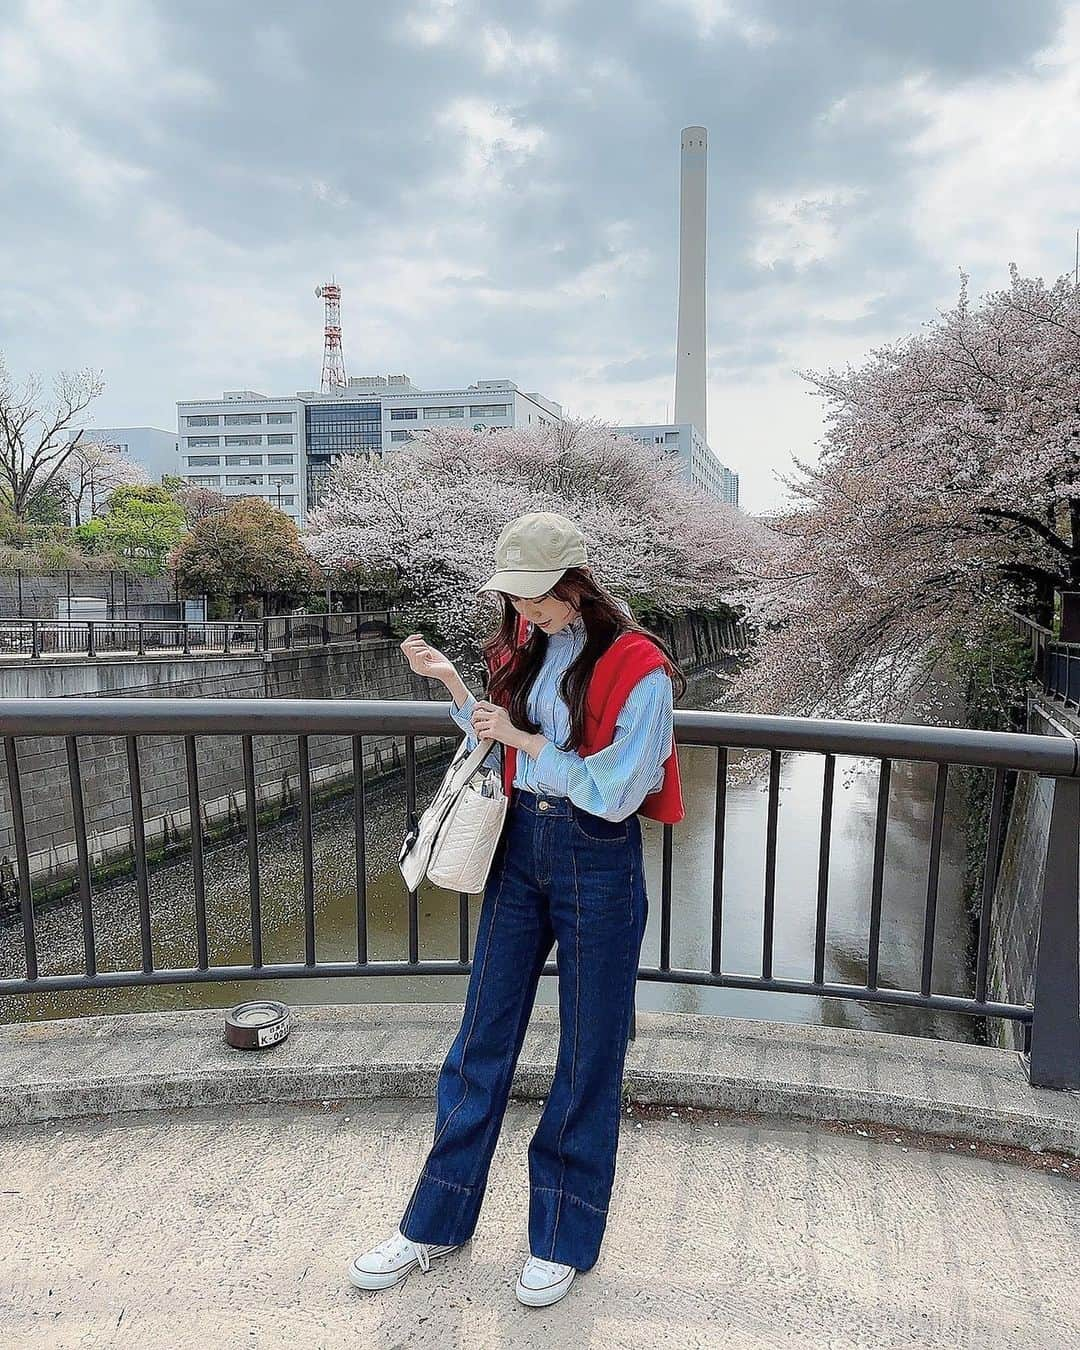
<point x="1056" y="664"/>
<point x="1051" y="1023"/>
<point x="93" y="638"/>
<point x="1039" y="638"/>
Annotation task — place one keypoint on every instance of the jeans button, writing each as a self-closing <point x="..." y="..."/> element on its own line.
<point x="543" y="806"/>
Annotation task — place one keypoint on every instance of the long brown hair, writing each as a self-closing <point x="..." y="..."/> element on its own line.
<point x="605" y="620"/>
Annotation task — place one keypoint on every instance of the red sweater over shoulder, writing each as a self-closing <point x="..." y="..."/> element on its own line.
<point x="629" y="658"/>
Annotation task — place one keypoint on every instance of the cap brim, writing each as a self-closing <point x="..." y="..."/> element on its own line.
<point x="524" y="585"/>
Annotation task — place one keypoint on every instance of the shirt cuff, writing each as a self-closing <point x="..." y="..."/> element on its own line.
<point x="463" y="715"/>
<point x="554" y="768"/>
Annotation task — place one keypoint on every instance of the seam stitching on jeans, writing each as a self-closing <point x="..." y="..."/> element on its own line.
<point x="450" y="1185"/>
<point x="509" y="1063"/>
<point x="553" y="1190"/>
<point x="476" y="1007"/>
<point x="574" y="1054"/>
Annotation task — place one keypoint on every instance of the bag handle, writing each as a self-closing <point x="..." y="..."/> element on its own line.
<point x="475" y="758"/>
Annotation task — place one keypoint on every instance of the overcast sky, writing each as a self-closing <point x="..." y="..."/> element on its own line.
<point x="494" y="185"/>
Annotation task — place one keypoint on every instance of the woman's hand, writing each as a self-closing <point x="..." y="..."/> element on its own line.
<point x="427" y="660"/>
<point x="492" y="723"/>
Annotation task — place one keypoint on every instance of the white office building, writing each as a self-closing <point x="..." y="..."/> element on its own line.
<point x="248" y="445"/>
<point x="245" y="445"/>
<point x="151" y="448"/>
<point x="701" y="467"/>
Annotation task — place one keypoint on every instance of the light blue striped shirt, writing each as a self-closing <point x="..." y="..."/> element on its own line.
<point x="614" y="781"/>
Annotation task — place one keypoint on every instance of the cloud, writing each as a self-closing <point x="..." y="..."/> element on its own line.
<point x="1000" y="150"/>
<point x="802" y="229"/>
<point x="496" y="191"/>
<point x="710" y="17"/>
<point x="430" y="22"/>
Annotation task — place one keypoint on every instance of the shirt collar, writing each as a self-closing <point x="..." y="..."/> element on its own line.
<point x="574" y="629"/>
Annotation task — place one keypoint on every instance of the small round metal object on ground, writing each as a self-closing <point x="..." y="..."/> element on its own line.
<point x="258" y="1024"/>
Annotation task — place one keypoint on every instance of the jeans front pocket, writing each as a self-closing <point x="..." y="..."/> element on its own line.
<point x="599" y="830"/>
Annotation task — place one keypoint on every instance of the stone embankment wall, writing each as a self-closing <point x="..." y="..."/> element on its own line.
<point x="367" y="669"/>
<point x="347" y="670"/>
<point x="1018" y="898"/>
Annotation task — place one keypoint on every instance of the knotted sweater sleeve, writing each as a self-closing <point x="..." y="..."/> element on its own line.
<point x="614" y="781"/>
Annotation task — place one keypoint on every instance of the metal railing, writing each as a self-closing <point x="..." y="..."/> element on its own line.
<point x="1051" y="1023"/>
<point x="93" y="638"/>
<point x="1039" y="639"/>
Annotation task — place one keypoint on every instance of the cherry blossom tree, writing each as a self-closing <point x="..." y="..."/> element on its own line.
<point x="422" y="522"/>
<point x="198" y="503"/>
<point x="91" y="473"/>
<point x="946" y="494"/>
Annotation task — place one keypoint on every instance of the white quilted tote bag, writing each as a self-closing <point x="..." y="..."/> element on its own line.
<point x="454" y="841"/>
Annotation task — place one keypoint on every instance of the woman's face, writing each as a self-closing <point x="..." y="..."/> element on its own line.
<point x="546" y="612"/>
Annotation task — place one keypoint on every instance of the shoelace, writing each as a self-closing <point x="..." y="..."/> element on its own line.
<point x="403" y="1246"/>
<point x="549" y="1267"/>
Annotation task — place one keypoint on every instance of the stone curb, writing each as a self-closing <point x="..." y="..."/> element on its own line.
<point x="169" y="1061"/>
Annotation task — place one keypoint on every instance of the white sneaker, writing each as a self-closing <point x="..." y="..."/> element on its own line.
<point x="387" y="1264"/>
<point x="542" y="1283"/>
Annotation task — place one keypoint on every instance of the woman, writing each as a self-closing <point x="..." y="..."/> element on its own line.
<point x="580" y="699"/>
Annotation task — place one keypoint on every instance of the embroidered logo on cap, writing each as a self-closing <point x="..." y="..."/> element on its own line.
<point x="513" y="555"/>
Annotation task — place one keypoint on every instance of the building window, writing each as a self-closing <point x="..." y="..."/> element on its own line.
<point x="211" y="480"/>
<point x="247" y="461"/>
<point x="281" y="419"/>
<point x="334" y="429"/>
<point x="490" y="410"/>
<point x="202" y="460"/>
<point x="280" y="459"/>
<point x="401" y="435"/>
<point x="278" y="439"/>
<point x="280" y="478"/>
<point x="202" y="420"/>
<point x="403" y="414"/>
<point x="193" y="441"/>
<point x="287" y="499"/>
<point x="440" y="414"/>
<point x="243" y="440"/>
<point x="243" y="419"/>
<point x="243" y="480"/>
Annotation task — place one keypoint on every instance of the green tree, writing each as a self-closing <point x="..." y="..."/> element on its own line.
<point x="47" y="509"/>
<point x="247" y="550"/>
<point x="142" y="525"/>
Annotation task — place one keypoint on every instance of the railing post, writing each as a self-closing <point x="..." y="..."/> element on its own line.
<point x="1054" y="1058"/>
<point x="35" y="641"/>
<point x="90" y="651"/>
<point x="187" y="639"/>
<point x="326" y="630"/>
<point x="139" y="638"/>
<point x="265" y="632"/>
<point x="288" y="631"/>
<point x="228" y="636"/>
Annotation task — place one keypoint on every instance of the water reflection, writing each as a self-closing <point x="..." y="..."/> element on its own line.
<point x="850" y="878"/>
<point x="849" y="889"/>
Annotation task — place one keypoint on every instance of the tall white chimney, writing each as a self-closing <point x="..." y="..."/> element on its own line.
<point x="690" y="396"/>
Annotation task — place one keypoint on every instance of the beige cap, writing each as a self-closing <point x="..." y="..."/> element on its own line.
<point x="533" y="552"/>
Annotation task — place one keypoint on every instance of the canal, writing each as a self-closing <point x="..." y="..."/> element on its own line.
<point x="59" y="926"/>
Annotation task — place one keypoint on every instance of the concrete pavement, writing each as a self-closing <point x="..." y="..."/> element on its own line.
<point x="234" y="1226"/>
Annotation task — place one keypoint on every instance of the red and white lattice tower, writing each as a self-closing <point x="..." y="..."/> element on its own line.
<point x="333" y="362"/>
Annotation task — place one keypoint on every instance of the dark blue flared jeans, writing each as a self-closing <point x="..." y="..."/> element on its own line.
<point x="560" y="876"/>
